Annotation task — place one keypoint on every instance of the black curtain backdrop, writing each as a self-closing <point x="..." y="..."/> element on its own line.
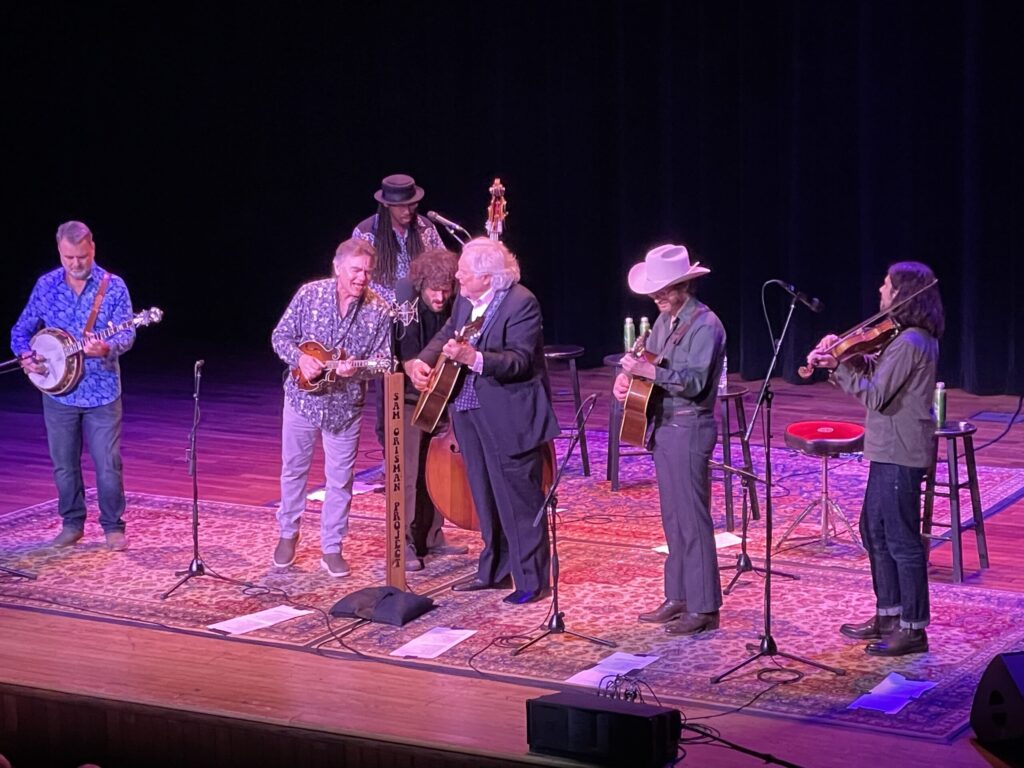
<point x="220" y="152"/>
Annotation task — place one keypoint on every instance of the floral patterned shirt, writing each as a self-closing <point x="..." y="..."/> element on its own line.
<point x="428" y="235"/>
<point x="363" y="332"/>
<point x="52" y="304"/>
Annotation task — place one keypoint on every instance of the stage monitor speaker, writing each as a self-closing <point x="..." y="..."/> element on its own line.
<point x="602" y="731"/>
<point x="997" y="714"/>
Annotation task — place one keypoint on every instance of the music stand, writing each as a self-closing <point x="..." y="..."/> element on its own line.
<point x="196" y="567"/>
<point x="556" y="624"/>
<point x="768" y="646"/>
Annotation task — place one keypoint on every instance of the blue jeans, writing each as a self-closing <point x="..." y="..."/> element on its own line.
<point x="101" y="426"/>
<point x="890" y="525"/>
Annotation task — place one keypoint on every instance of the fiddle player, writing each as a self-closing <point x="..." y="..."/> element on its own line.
<point x="689" y="341"/>
<point x="430" y="289"/>
<point x="896" y="387"/>
<point x="339" y="313"/>
<point x="76" y="296"/>
<point x="502" y="416"/>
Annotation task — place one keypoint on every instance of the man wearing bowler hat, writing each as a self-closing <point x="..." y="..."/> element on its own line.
<point x="688" y="341"/>
<point x="397" y="232"/>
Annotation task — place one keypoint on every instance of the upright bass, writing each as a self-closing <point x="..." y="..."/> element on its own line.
<point x="446" y="477"/>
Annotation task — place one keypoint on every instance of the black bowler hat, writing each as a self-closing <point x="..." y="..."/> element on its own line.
<point x="398" y="189"/>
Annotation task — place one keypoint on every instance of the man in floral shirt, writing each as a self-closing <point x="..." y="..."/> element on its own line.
<point x="64" y="298"/>
<point x="339" y="313"/>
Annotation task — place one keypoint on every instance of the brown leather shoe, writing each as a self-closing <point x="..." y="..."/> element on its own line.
<point x="67" y="537"/>
<point x="693" y="623"/>
<point x="874" y="628"/>
<point x="667" y="611"/>
<point x="335" y="565"/>
<point x="284" y="552"/>
<point x="901" y="642"/>
<point x="116" y="541"/>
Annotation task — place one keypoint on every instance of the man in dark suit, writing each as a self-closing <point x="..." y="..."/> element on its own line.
<point x="502" y="416"/>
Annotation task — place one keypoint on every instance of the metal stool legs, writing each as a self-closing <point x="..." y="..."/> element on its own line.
<point x="829" y="509"/>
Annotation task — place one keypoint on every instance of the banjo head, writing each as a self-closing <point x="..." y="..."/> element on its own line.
<point x="62" y="371"/>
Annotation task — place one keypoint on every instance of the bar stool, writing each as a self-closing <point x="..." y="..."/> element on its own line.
<point x="733" y="397"/>
<point x="569" y="354"/>
<point x="824" y="440"/>
<point x="951" y="432"/>
<point x="614" y="423"/>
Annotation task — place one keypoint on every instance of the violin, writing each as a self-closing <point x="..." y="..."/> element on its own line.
<point x="868" y="337"/>
<point x="865" y="340"/>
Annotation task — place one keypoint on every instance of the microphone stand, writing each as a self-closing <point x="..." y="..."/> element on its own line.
<point x="556" y="624"/>
<point x="768" y="646"/>
<point x="743" y="562"/>
<point x="196" y="567"/>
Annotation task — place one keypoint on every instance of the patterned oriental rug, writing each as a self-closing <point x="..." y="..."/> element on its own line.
<point x="609" y="573"/>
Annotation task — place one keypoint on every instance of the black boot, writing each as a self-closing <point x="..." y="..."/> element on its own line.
<point x="874" y="628"/>
<point x="900" y="643"/>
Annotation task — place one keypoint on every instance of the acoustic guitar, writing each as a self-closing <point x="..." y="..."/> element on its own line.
<point x="635" y="424"/>
<point x="332" y="359"/>
<point x="434" y="399"/>
<point x="63" y="355"/>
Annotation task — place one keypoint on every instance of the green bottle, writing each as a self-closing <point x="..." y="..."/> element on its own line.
<point x="939" y="404"/>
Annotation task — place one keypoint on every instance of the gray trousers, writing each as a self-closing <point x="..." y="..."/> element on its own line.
<point x="507" y="493"/>
<point x="681" y="453"/>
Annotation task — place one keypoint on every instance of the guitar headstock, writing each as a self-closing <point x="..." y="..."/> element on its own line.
<point x="470" y="328"/>
<point x="148" y="316"/>
<point x="640" y="345"/>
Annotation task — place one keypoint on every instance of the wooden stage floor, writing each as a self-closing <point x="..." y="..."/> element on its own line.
<point x="138" y="688"/>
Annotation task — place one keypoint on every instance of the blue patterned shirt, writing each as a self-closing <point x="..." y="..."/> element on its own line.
<point x="428" y="236"/>
<point x="52" y="304"/>
<point x="363" y="332"/>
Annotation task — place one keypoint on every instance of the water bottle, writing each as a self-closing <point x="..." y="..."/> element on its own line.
<point x="723" y="382"/>
<point x="645" y="327"/>
<point x="939" y="404"/>
<point x="628" y="334"/>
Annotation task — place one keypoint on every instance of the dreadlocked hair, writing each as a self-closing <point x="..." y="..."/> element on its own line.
<point x="386" y="242"/>
<point x="925" y="309"/>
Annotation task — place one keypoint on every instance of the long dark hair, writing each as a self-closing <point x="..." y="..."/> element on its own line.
<point x="386" y="243"/>
<point x="925" y="309"/>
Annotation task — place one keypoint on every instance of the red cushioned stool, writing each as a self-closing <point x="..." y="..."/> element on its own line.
<point x="824" y="440"/>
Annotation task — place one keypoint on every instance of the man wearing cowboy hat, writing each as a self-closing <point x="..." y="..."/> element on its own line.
<point x="389" y="232"/>
<point x="689" y="342"/>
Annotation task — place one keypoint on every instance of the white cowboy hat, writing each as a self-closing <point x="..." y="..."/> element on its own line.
<point x="664" y="266"/>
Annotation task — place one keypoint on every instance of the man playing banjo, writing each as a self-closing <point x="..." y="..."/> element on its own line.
<point x="76" y="298"/>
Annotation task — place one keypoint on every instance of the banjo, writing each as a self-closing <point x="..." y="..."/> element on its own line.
<point x="62" y="355"/>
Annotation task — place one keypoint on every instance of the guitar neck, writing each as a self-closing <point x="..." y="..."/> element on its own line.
<point x="373" y="362"/>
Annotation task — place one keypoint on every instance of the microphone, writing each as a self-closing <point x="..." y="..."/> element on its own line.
<point x="448" y="224"/>
<point x="199" y="366"/>
<point x="815" y="305"/>
<point x="405" y="312"/>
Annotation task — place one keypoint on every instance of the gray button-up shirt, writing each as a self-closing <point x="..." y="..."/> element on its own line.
<point x="688" y="374"/>
<point x="897" y="391"/>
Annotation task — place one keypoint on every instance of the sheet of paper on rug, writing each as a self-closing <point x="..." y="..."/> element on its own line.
<point x="259" y="620"/>
<point x="892" y="694"/>
<point x="617" y="663"/>
<point x="722" y="540"/>
<point x="433" y="642"/>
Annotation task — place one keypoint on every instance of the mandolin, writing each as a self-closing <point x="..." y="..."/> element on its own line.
<point x="332" y="359"/>
<point x="434" y="399"/>
<point x="635" y="424"/>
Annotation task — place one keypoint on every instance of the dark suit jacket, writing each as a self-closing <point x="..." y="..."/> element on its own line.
<point x="513" y="388"/>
